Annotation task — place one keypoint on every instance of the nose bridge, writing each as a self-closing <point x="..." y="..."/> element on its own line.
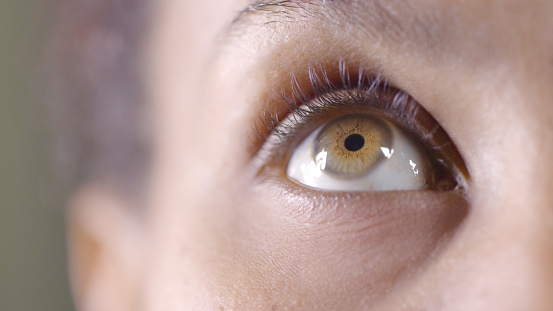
<point x="537" y="243"/>
<point x="515" y="258"/>
<point x="507" y="240"/>
<point x="528" y="196"/>
<point x="501" y="257"/>
<point x="499" y="260"/>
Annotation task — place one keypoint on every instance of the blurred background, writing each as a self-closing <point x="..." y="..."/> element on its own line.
<point x="32" y="251"/>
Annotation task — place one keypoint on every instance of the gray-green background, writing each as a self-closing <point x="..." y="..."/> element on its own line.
<point x="32" y="251"/>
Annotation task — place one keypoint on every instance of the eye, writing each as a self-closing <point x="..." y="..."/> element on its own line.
<point x="360" y="136"/>
<point x="360" y="152"/>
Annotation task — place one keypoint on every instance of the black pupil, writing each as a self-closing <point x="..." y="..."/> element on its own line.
<point x="354" y="142"/>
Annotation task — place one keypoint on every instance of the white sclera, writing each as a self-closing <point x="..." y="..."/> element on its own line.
<point x="402" y="167"/>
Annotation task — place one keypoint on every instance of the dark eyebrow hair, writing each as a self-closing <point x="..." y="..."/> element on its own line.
<point x="282" y="7"/>
<point x="397" y="20"/>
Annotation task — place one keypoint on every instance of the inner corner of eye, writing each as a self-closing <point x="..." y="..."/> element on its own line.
<point x="363" y="152"/>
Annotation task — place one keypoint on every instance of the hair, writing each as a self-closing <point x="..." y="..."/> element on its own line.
<point x="97" y="95"/>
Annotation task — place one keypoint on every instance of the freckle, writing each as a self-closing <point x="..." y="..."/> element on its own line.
<point x="274" y="308"/>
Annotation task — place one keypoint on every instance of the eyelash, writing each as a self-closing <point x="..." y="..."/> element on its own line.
<point x="328" y="94"/>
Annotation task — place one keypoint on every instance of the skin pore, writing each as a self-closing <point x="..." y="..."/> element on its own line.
<point x="216" y="234"/>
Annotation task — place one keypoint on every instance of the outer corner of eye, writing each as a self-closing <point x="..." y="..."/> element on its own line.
<point x="362" y="152"/>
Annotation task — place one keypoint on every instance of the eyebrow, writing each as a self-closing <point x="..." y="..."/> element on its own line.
<point x="397" y="20"/>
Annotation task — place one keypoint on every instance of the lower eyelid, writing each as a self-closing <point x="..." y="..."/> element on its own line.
<point x="382" y="235"/>
<point x="329" y="208"/>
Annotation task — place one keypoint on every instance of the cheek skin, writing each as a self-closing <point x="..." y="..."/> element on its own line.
<point x="297" y="249"/>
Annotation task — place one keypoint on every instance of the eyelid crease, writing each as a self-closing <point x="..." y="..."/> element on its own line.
<point x="327" y="91"/>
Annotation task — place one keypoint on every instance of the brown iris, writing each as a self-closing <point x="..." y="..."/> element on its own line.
<point x="352" y="144"/>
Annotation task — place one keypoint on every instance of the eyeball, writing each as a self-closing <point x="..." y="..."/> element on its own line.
<point x="360" y="152"/>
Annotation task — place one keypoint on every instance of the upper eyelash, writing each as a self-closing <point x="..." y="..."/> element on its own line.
<point x="323" y="97"/>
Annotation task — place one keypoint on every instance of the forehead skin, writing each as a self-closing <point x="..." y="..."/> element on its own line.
<point x="221" y="241"/>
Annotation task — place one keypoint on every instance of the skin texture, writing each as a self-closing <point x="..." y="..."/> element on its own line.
<point x="213" y="235"/>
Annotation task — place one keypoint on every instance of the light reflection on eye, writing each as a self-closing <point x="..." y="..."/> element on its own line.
<point x="360" y="152"/>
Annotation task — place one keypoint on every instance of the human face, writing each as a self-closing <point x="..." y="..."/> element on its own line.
<point x="222" y="234"/>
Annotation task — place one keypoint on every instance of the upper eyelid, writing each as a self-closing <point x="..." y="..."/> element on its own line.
<point x="303" y="88"/>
